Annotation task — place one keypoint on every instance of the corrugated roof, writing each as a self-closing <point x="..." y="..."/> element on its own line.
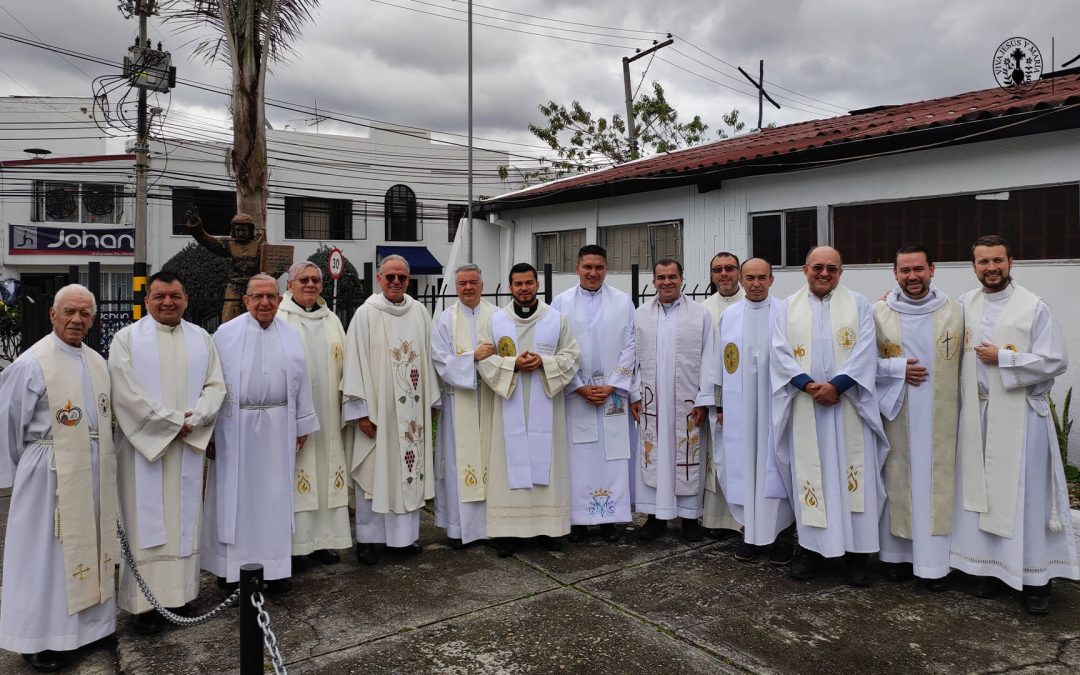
<point x="979" y="115"/>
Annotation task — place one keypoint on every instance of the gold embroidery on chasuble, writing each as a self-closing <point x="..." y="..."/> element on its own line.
<point x="889" y="349"/>
<point x="731" y="358"/>
<point x="339" y="478"/>
<point x="948" y="344"/>
<point x="845" y="337"/>
<point x="809" y="496"/>
<point x="303" y="484"/>
<point x="799" y="352"/>
<point x="506" y="346"/>
<point x="470" y="475"/>
<point x="70" y="415"/>
<point x="968" y="335"/>
<point x="853" y="478"/>
<point x="406" y="371"/>
<point x="413" y="438"/>
<point x="81" y="571"/>
<point x="337" y="352"/>
<point x="1011" y="347"/>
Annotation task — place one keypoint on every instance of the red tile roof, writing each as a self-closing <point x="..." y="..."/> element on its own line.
<point x="964" y="118"/>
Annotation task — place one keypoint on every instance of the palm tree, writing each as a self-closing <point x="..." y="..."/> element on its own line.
<point x="249" y="34"/>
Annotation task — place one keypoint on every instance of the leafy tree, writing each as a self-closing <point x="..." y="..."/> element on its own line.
<point x="584" y="141"/>
<point x="249" y="35"/>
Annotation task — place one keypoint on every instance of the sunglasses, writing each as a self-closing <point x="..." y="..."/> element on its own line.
<point x="308" y="280"/>
<point x="396" y="278"/>
<point x="724" y="268"/>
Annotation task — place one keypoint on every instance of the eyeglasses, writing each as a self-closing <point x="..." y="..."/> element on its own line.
<point x="724" y="268"/>
<point x="819" y="268"/>
<point x="308" y="280"/>
<point x="259" y="297"/>
<point x="396" y="278"/>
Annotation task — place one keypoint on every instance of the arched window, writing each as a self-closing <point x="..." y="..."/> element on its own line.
<point x="400" y="210"/>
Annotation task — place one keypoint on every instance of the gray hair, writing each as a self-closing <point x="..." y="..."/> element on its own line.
<point x="297" y="267"/>
<point x="74" y="288"/>
<point x="261" y="276"/>
<point x="392" y="257"/>
<point x="468" y="267"/>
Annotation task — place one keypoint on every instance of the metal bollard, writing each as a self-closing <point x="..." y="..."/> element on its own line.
<point x="251" y="636"/>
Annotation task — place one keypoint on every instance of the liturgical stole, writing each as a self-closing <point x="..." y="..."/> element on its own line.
<point x="528" y="444"/>
<point x="991" y="466"/>
<point x="844" y="317"/>
<point x="948" y="339"/>
<point x="89" y="548"/>
<point x="149" y="495"/>
<point x="472" y="409"/>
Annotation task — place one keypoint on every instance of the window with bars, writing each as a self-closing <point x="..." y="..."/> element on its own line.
<point x="1040" y="224"/>
<point x="400" y="214"/>
<point x="641" y="243"/>
<point x="454" y="214"/>
<point x="784" y="237"/>
<point x="216" y="209"/>
<point x="558" y="248"/>
<point x="315" y="218"/>
<point x="61" y="202"/>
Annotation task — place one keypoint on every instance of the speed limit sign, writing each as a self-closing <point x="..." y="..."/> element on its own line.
<point x="337" y="263"/>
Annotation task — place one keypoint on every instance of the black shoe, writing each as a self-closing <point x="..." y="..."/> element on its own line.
<point x="47" y="661"/>
<point x="577" y="533"/>
<point x="326" y="556"/>
<point x="691" y="530"/>
<point x="855" y="572"/>
<point x="367" y="554"/>
<point x="279" y="586"/>
<point x="298" y="564"/>
<point x="936" y="585"/>
<point x="781" y="552"/>
<point x="610" y="533"/>
<point x="652" y="529"/>
<point x="148" y="623"/>
<point x="986" y="588"/>
<point x="228" y="588"/>
<point x="411" y="549"/>
<point x="719" y="534"/>
<point x="898" y="572"/>
<point x="1036" y="599"/>
<point x="805" y="565"/>
<point x="745" y="552"/>
<point x="504" y="546"/>
<point x="455" y="544"/>
<point x="549" y="543"/>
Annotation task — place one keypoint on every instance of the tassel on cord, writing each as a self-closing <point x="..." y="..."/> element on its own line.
<point x="56" y="523"/>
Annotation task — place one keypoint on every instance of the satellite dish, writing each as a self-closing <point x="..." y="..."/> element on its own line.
<point x="38" y="153"/>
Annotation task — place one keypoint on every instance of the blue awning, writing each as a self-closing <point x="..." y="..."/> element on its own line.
<point x="420" y="259"/>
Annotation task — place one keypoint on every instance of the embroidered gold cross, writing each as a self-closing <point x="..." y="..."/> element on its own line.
<point x="81" y="571"/>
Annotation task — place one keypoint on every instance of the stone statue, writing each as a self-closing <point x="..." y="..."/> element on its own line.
<point x="242" y="249"/>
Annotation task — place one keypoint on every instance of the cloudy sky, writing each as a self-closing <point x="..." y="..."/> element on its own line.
<point x="404" y="61"/>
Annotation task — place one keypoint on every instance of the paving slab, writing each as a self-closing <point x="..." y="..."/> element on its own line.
<point x="556" y="631"/>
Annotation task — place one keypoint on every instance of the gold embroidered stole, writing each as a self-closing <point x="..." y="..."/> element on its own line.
<point x="473" y="409"/>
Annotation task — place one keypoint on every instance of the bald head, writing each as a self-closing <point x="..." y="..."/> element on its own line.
<point x="757" y="279"/>
<point x="823" y="269"/>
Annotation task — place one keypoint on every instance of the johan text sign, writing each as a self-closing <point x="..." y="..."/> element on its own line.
<point x="37" y="240"/>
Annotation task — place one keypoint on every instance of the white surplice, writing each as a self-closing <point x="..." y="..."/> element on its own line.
<point x="661" y="499"/>
<point x="603" y="325"/>
<point x="928" y="553"/>
<point x="148" y="425"/>
<point x="540" y="509"/>
<point x="716" y="513"/>
<point x="34" y="607"/>
<point x="321" y="483"/>
<point x="374" y="372"/>
<point x="847" y="530"/>
<point x="1036" y="553"/>
<point x="464" y="520"/>
<point x="249" y="508"/>
<point x="748" y="467"/>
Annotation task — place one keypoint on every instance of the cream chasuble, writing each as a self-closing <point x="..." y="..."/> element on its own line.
<point x="463" y="440"/>
<point x="542" y="509"/>
<point x="36" y="612"/>
<point x="321" y="480"/>
<point x="943" y="364"/>
<point x="388" y="365"/>
<point x="158" y="373"/>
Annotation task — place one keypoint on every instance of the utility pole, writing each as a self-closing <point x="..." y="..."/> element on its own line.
<point x="468" y="208"/>
<point x="760" y="86"/>
<point x="631" y="133"/>
<point x="147" y="69"/>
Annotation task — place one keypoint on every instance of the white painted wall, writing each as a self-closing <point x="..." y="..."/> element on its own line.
<point x="720" y="219"/>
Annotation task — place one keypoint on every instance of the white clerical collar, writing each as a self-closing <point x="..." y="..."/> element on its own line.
<point x="757" y="304"/>
<point x="728" y="299"/>
<point x="998" y="296"/>
<point x="668" y="306"/>
<point x="392" y="303"/>
<point x="74" y="351"/>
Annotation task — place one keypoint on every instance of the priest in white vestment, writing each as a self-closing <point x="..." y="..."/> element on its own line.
<point x="267" y="415"/>
<point x="321" y="479"/>
<point x="746" y="458"/>
<point x="167" y="387"/>
<point x="597" y="400"/>
<point x="920" y="332"/>
<point x="60" y="549"/>
<point x="672" y="334"/>
<point x="1012" y="522"/>
<point x="528" y="491"/>
<point x="463" y="438"/>
<point x="716" y="513"/>
<point x="389" y="388"/>
<point x="829" y="440"/>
